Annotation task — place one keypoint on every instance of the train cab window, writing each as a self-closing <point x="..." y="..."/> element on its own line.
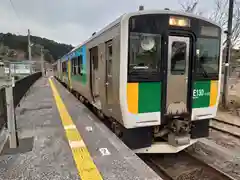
<point x="178" y="58"/>
<point x="208" y="54"/>
<point x="144" y="53"/>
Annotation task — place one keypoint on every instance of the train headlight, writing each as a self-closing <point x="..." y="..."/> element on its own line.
<point x="179" y="21"/>
<point x="147" y="43"/>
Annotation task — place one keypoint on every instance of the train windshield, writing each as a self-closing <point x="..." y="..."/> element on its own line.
<point x="208" y="54"/>
<point x="144" y="52"/>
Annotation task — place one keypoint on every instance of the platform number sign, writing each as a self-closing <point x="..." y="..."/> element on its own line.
<point x="104" y="151"/>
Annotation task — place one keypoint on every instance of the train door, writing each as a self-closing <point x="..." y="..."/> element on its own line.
<point x="177" y="75"/>
<point x="109" y="88"/>
<point x="94" y="73"/>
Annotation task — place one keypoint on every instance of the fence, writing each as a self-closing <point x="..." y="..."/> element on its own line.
<point x="3" y="108"/>
<point x="22" y="86"/>
<point x="20" y="89"/>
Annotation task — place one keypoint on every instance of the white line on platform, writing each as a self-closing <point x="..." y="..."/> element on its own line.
<point x="70" y="127"/>
<point x="77" y="144"/>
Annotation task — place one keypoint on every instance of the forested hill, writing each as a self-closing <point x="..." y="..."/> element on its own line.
<point x="11" y="45"/>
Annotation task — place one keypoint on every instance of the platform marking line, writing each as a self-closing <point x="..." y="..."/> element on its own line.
<point x="69" y="127"/>
<point x="77" y="144"/>
<point x="86" y="168"/>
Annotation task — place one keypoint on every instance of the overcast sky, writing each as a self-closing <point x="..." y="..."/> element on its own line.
<point x="73" y="21"/>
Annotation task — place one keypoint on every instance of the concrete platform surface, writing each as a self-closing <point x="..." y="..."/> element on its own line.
<point x="45" y="151"/>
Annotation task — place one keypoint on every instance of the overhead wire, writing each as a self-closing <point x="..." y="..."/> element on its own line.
<point x="17" y="15"/>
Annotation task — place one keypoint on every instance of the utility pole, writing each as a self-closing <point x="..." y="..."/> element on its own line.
<point x="29" y="50"/>
<point x="42" y="63"/>
<point x="228" y="54"/>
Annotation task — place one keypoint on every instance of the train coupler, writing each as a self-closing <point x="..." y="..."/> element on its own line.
<point x="178" y="140"/>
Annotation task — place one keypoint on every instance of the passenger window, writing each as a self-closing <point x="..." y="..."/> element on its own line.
<point x="80" y="65"/>
<point x="95" y="62"/>
<point x="72" y="63"/>
<point x="110" y="50"/>
<point x="109" y="56"/>
<point x="75" y="66"/>
<point x="178" y="58"/>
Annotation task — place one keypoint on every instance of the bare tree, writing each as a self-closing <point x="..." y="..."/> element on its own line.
<point x="219" y="15"/>
<point x="189" y="6"/>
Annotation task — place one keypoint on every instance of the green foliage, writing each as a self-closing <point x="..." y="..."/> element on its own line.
<point x="53" y="50"/>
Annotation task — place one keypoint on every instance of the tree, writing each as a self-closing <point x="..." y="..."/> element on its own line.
<point x="56" y="50"/>
<point x="219" y="15"/>
<point x="3" y="50"/>
<point x="189" y="6"/>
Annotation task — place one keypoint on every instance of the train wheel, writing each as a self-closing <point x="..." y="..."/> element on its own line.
<point x="100" y="114"/>
<point x="116" y="129"/>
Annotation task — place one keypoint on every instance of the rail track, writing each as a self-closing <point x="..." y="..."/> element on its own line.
<point x="225" y="127"/>
<point x="182" y="166"/>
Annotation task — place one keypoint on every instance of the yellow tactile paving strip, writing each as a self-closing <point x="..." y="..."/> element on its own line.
<point x="84" y="163"/>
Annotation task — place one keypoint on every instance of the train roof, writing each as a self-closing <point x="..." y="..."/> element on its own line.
<point x="142" y="12"/>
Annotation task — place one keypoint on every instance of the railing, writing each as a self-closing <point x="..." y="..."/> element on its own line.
<point x="3" y="108"/>
<point x="19" y="90"/>
<point x="22" y="86"/>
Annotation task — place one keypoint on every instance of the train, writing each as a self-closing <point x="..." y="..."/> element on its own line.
<point x="153" y="74"/>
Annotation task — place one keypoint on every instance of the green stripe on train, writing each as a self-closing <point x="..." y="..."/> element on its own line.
<point x="149" y="97"/>
<point x="201" y="94"/>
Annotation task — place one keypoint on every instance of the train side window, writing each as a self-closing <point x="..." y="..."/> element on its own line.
<point x="75" y="66"/>
<point x="95" y="61"/>
<point x="110" y="50"/>
<point x="109" y="58"/>
<point x="80" y="64"/>
<point x="64" y="68"/>
<point x="178" y="58"/>
<point x="72" y="65"/>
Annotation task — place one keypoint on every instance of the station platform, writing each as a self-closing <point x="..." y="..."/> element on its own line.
<point x="61" y="139"/>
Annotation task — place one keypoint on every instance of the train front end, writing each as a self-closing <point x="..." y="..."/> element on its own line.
<point x="171" y="79"/>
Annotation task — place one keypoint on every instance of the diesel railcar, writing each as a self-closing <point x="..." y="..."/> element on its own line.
<point x="155" y="75"/>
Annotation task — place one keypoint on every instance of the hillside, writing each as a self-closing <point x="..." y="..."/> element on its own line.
<point x="16" y="47"/>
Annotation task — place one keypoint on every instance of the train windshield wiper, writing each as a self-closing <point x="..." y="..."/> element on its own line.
<point x="203" y="71"/>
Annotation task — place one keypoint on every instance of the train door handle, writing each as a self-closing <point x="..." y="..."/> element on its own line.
<point x="107" y="83"/>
